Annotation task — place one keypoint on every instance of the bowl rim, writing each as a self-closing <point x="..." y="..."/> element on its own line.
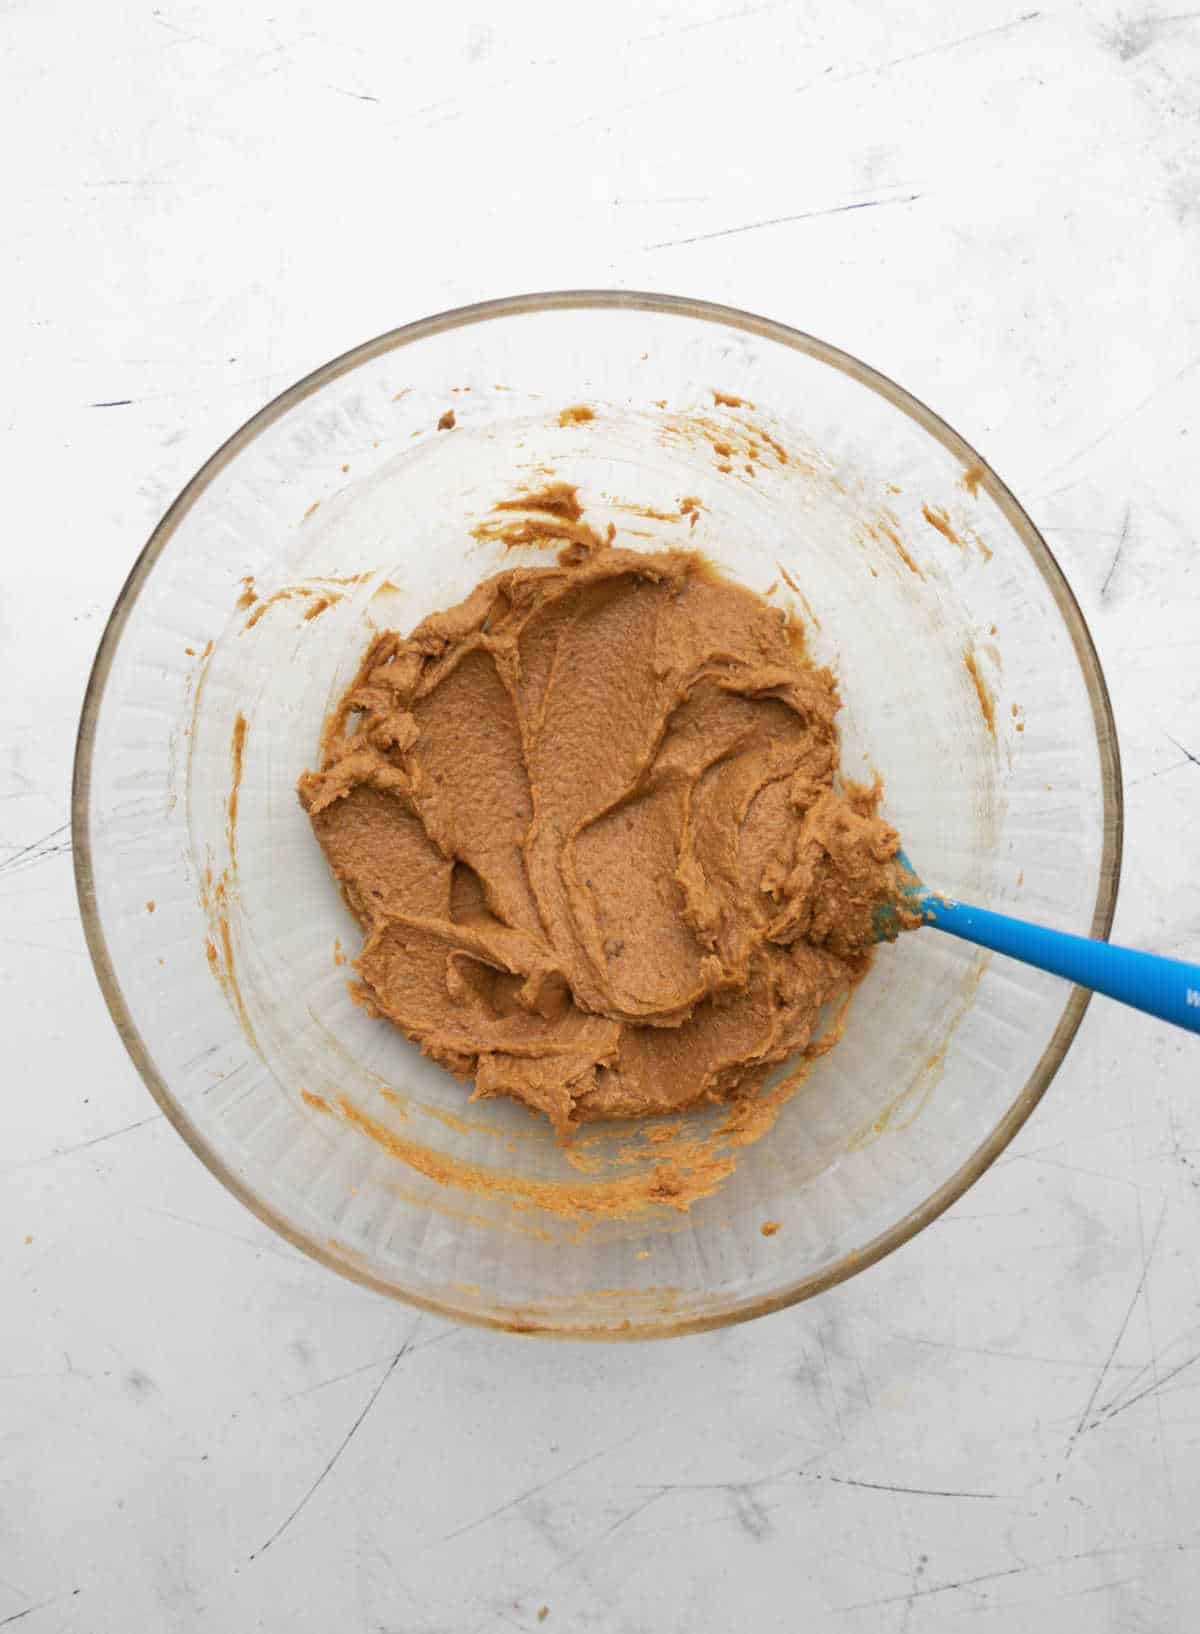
<point x="1077" y="1000"/>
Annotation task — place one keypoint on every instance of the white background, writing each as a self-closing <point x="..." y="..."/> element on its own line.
<point x="999" y="1426"/>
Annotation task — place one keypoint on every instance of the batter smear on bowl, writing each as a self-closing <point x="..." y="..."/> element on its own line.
<point x="590" y="822"/>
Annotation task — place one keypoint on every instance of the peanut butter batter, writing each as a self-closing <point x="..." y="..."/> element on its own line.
<point x="589" y="822"/>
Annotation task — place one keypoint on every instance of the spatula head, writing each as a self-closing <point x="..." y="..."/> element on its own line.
<point x="914" y="896"/>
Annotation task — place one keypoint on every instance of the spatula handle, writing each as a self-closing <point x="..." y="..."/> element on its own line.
<point x="1167" y="988"/>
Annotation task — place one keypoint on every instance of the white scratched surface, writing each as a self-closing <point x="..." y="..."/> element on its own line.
<point x="999" y="1426"/>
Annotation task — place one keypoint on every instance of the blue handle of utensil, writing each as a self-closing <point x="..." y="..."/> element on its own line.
<point x="1167" y="988"/>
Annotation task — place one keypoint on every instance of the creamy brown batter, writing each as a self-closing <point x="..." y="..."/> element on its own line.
<point x="590" y="824"/>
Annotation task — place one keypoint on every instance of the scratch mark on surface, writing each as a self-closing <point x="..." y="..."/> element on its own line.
<point x="916" y="56"/>
<point x="722" y="1519"/>
<point x="50" y="845"/>
<point x="837" y="1413"/>
<point x="338" y="1378"/>
<point x="914" y="1491"/>
<point x="707" y="22"/>
<point x="1148" y="1310"/>
<point x="936" y="1588"/>
<point x="1149" y="1390"/>
<point x="41" y="1606"/>
<point x="1115" y="1346"/>
<point x="174" y="28"/>
<point x="338" y="1451"/>
<point x="1072" y="1168"/>
<point x="1148" y="777"/>
<point x="1124" y="420"/>
<point x="531" y="1492"/>
<point x="596" y="1542"/>
<point x="1098" y="1588"/>
<point x="113" y="402"/>
<point x="986" y="1350"/>
<point x="358" y="96"/>
<point x="43" y="947"/>
<point x="1122" y="540"/>
<point x="365" y="1367"/>
<point x="1195" y="759"/>
<point x="614" y="112"/>
<point x="1083" y="533"/>
<point x="267" y="1247"/>
<point x="1030" y="1566"/>
<point x="84" y="1145"/>
<point x="780" y="221"/>
<point x="783" y="1478"/>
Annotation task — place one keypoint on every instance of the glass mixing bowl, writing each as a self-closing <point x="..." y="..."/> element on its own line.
<point x="969" y="683"/>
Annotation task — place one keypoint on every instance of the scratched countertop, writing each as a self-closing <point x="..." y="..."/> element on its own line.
<point x="998" y="1426"/>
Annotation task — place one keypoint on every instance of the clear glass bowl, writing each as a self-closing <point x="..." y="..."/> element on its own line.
<point x="908" y="557"/>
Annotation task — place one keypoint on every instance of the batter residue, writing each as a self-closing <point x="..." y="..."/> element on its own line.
<point x="590" y="823"/>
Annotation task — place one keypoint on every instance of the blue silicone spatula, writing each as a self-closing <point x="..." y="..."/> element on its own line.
<point x="1167" y="988"/>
